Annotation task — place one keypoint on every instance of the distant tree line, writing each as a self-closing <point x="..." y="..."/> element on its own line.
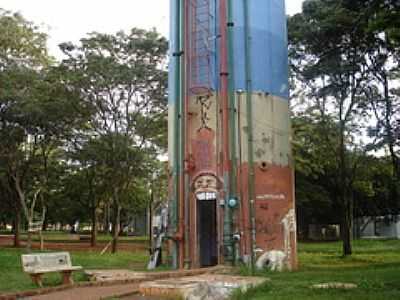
<point x="79" y="138"/>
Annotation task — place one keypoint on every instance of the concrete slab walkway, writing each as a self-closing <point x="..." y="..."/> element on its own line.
<point x="206" y="286"/>
<point x="90" y="293"/>
<point x="122" y="284"/>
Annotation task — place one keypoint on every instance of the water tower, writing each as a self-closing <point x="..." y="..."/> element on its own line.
<point x="231" y="185"/>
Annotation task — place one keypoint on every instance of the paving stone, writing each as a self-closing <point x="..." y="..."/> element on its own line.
<point x="334" y="285"/>
<point x="203" y="287"/>
<point x="111" y="275"/>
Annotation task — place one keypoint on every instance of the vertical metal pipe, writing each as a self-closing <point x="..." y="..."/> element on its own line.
<point x="224" y="74"/>
<point x="242" y="224"/>
<point x="232" y="116"/>
<point x="176" y="159"/>
<point x="181" y="230"/>
<point x="177" y="200"/>
<point x="220" y="212"/>
<point x="186" y="135"/>
<point x="250" y="141"/>
<point x="232" y="102"/>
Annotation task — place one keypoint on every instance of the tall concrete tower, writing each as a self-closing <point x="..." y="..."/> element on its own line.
<point x="231" y="174"/>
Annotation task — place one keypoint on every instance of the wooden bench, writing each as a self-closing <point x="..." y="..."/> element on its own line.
<point x="85" y="238"/>
<point x="40" y="263"/>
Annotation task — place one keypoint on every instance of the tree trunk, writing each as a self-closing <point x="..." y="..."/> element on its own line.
<point x="106" y="219"/>
<point x="93" y="238"/>
<point x="346" y="202"/>
<point x="45" y="224"/>
<point x="347" y="231"/>
<point x="16" y="229"/>
<point x="150" y="224"/>
<point x="25" y="210"/>
<point x="116" y="227"/>
<point x="41" y="240"/>
<point x="29" y="241"/>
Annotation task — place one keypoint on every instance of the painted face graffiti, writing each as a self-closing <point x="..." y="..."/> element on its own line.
<point x="205" y="187"/>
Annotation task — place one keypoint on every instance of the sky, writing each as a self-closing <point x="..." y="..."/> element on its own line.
<point x="70" y="20"/>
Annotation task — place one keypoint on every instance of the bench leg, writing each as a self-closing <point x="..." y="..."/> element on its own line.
<point x="37" y="279"/>
<point x="67" y="277"/>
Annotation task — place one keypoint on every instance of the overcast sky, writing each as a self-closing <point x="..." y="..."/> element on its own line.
<point x="70" y="20"/>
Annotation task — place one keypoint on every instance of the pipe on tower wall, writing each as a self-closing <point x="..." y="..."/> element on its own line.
<point x="226" y="162"/>
<point x="176" y="102"/>
<point x="250" y="140"/>
<point x="187" y="260"/>
<point x="232" y="122"/>
<point x="182" y="125"/>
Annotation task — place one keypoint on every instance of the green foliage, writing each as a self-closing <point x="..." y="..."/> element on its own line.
<point x="313" y="139"/>
<point x="21" y="42"/>
<point x="31" y="124"/>
<point x="84" y="134"/>
<point x="317" y="172"/>
<point x="337" y="87"/>
<point x="122" y="80"/>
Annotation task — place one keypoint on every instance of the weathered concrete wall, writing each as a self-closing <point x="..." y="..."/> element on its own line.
<point x="274" y="182"/>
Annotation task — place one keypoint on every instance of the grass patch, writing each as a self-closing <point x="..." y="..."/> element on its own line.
<point x="374" y="267"/>
<point x="12" y="278"/>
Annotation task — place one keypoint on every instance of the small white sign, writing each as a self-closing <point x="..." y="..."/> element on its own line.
<point x="271" y="197"/>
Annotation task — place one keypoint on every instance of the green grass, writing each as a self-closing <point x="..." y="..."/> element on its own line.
<point x="12" y="278"/>
<point x="374" y="267"/>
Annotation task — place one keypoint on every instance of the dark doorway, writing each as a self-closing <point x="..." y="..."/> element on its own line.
<point x="207" y="213"/>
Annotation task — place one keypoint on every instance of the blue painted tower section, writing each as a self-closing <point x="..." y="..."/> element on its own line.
<point x="269" y="55"/>
<point x="268" y="46"/>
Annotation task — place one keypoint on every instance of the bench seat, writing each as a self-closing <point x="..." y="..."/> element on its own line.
<point x="52" y="270"/>
<point x="38" y="264"/>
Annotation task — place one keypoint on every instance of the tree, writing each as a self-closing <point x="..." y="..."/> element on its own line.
<point x="37" y="113"/>
<point x="383" y="95"/>
<point x="316" y="192"/>
<point x="334" y="78"/>
<point x="34" y="125"/>
<point x="87" y="180"/>
<point x="21" y="42"/>
<point x="123" y="79"/>
<point x="316" y="172"/>
<point x="22" y="53"/>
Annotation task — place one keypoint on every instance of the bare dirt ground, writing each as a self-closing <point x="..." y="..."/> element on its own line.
<point x="7" y="241"/>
